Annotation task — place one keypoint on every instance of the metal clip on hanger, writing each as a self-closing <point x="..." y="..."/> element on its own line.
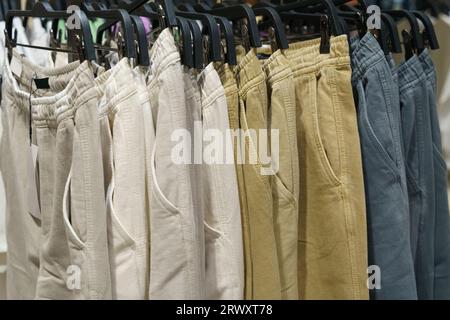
<point x="225" y="27"/>
<point x="391" y="28"/>
<point x="197" y="46"/>
<point x="209" y="24"/>
<point x="143" y="58"/>
<point x="187" y="58"/>
<point x="416" y="37"/>
<point x="277" y="24"/>
<point x="85" y="50"/>
<point x="429" y="33"/>
<point x="327" y="5"/>
<point x="313" y="18"/>
<point x="239" y="12"/>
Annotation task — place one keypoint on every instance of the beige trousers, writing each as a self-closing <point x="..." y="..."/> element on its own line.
<point x="285" y="180"/>
<point x="332" y="234"/>
<point x="122" y="136"/>
<point x="222" y="216"/>
<point x="262" y="272"/>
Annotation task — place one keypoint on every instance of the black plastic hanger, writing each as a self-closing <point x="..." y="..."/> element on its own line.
<point x="391" y="28"/>
<point x="329" y="6"/>
<point x="227" y="29"/>
<point x="167" y="6"/>
<point x="197" y="47"/>
<point x="317" y="19"/>
<point x="416" y="37"/>
<point x="210" y="26"/>
<point x="142" y="8"/>
<point x="158" y="14"/>
<point x="277" y="24"/>
<point x="143" y="58"/>
<point x="429" y="33"/>
<point x="187" y="50"/>
<point x="117" y="15"/>
<point x="86" y="50"/>
<point x="239" y="12"/>
<point x="188" y="11"/>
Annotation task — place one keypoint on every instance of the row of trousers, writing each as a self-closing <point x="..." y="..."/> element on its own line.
<point x="106" y="212"/>
<point x="405" y="173"/>
<point x="104" y="147"/>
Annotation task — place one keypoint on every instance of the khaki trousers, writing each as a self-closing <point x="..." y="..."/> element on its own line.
<point x="262" y="272"/>
<point x="285" y="181"/>
<point x="332" y="252"/>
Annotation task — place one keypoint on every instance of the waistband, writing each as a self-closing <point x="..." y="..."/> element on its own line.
<point x="46" y="110"/>
<point x="57" y="77"/>
<point x="164" y="52"/>
<point x="305" y="56"/>
<point x="117" y="84"/>
<point x="366" y="53"/>
<point x="427" y="65"/>
<point x="277" y="67"/>
<point x="210" y="85"/>
<point x="410" y="73"/>
<point x="250" y="73"/>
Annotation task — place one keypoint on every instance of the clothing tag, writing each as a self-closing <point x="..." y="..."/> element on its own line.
<point x="16" y="67"/>
<point x="32" y="182"/>
<point x="41" y="83"/>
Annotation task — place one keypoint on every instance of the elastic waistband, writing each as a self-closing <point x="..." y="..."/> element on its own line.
<point x="64" y="104"/>
<point x="366" y="53"/>
<point x="116" y="84"/>
<point x="210" y="85"/>
<point x="57" y="77"/>
<point x="410" y="73"/>
<point x="163" y="52"/>
<point x="21" y="98"/>
<point x="305" y="56"/>
<point x="277" y="67"/>
<point x="250" y="73"/>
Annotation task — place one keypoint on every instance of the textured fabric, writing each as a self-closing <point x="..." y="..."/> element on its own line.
<point x="220" y="198"/>
<point x="262" y="271"/>
<point x="58" y="79"/>
<point x="229" y="83"/>
<point x="177" y="269"/>
<point x="285" y="180"/>
<point x="122" y="135"/>
<point x="417" y="135"/>
<point x="23" y="236"/>
<point x="439" y="287"/>
<point x="332" y="248"/>
<point x="75" y="262"/>
<point x="384" y="171"/>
